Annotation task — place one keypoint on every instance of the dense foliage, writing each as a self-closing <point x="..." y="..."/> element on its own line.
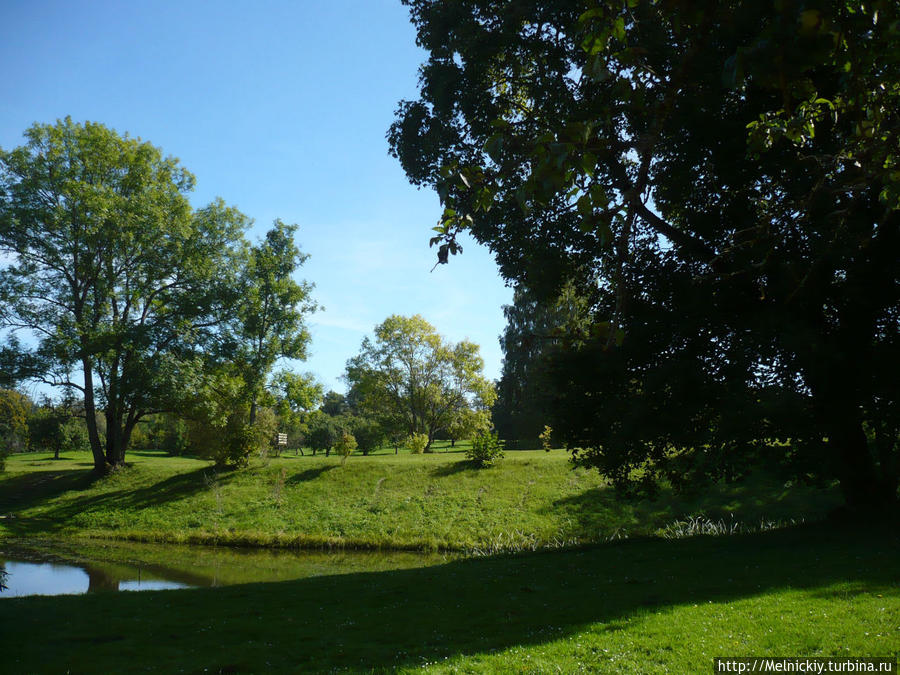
<point x="720" y="181"/>
<point x="486" y="449"/>
<point x="14" y="411"/>
<point x="129" y="295"/>
<point x="269" y="319"/>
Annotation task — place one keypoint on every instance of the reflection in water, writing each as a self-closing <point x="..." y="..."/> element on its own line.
<point x="150" y="585"/>
<point x="35" y="578"/>
<point x="100" y="581"/>
<point x="55" y="568"/>
<point x="30" y="578"/>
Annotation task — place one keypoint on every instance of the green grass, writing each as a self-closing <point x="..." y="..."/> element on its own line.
<point x="643" y="606"/>
<point x="529" y="500"/>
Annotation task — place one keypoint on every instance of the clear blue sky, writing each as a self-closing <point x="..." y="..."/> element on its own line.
<point x="281" y="108"/>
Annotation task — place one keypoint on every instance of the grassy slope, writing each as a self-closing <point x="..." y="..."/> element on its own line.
<point x="648" y="606"/>
<point x="429" y="502"/>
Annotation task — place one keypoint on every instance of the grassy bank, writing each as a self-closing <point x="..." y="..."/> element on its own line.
<point x="438" y="501"/>
<point x="650" y="606"/>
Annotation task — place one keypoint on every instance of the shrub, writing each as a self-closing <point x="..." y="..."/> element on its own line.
<point x="417" y="443"/>
<point x="231" y="444"/>
<point x="546" y="438"/>
<point x="486" y="449"/>
<point x="345" y="445"/>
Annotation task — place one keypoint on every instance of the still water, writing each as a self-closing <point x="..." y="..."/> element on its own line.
<point x="58" y="568"/>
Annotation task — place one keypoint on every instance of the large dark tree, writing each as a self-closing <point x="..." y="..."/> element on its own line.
<point x="723" y="180"/>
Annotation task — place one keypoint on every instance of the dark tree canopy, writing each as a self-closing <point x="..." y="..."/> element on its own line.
<point x="721" y="181"/>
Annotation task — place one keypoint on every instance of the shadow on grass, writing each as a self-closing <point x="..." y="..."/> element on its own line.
<point x="462" y="466"/>
<point x="309" y="474"/>
<point x="32" y="490"/>
<point x="387" y="620"/>
<point x="25" y="490"/>
<point x="599" y="513"/>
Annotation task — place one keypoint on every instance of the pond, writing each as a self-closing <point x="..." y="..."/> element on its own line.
<point x="75" y="567"/>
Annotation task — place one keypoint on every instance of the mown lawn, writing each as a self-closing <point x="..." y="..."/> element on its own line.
<point x="625" y="599"/>
<point x="529" y="500"/>
<point x="641" y="606"/>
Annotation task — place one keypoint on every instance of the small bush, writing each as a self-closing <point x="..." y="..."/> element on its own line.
<point x="546" y="437"/>
<point x="417" y="443"/>
<point x="486" y="449"/>
<point x="345" y="445"/>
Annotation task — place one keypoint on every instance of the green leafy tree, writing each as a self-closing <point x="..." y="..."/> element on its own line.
<point x="535" y="326"/>
<point x="324" y="432"/>
<point x="169" y="432"/>
<point x="296" y="397"/>
<point x="14" y="411"/>
<point x="408" y="375"/>
<point x="46" y="428"/>
<point x="335" y="404"/>
<point x="724" y="176"/>
<point x="113" y="275"/>
<point x="231" y="440"/>
<point x="466" y="423"/>
<point x="269" y="323"/>
<point x="59" y="427"/>
<point x="368" y="433"/>
<point x="217" y="413"/>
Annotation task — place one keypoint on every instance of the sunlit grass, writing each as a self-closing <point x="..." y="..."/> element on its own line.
<point x="528" y="501"/>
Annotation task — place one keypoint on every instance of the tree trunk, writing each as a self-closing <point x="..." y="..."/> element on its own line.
<point x="113" y="441"/>
<point x="857" y="474"/>
<point x="90" y="418"/>
<point x="865" y="489"/>
<point x="886" y="444"/>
